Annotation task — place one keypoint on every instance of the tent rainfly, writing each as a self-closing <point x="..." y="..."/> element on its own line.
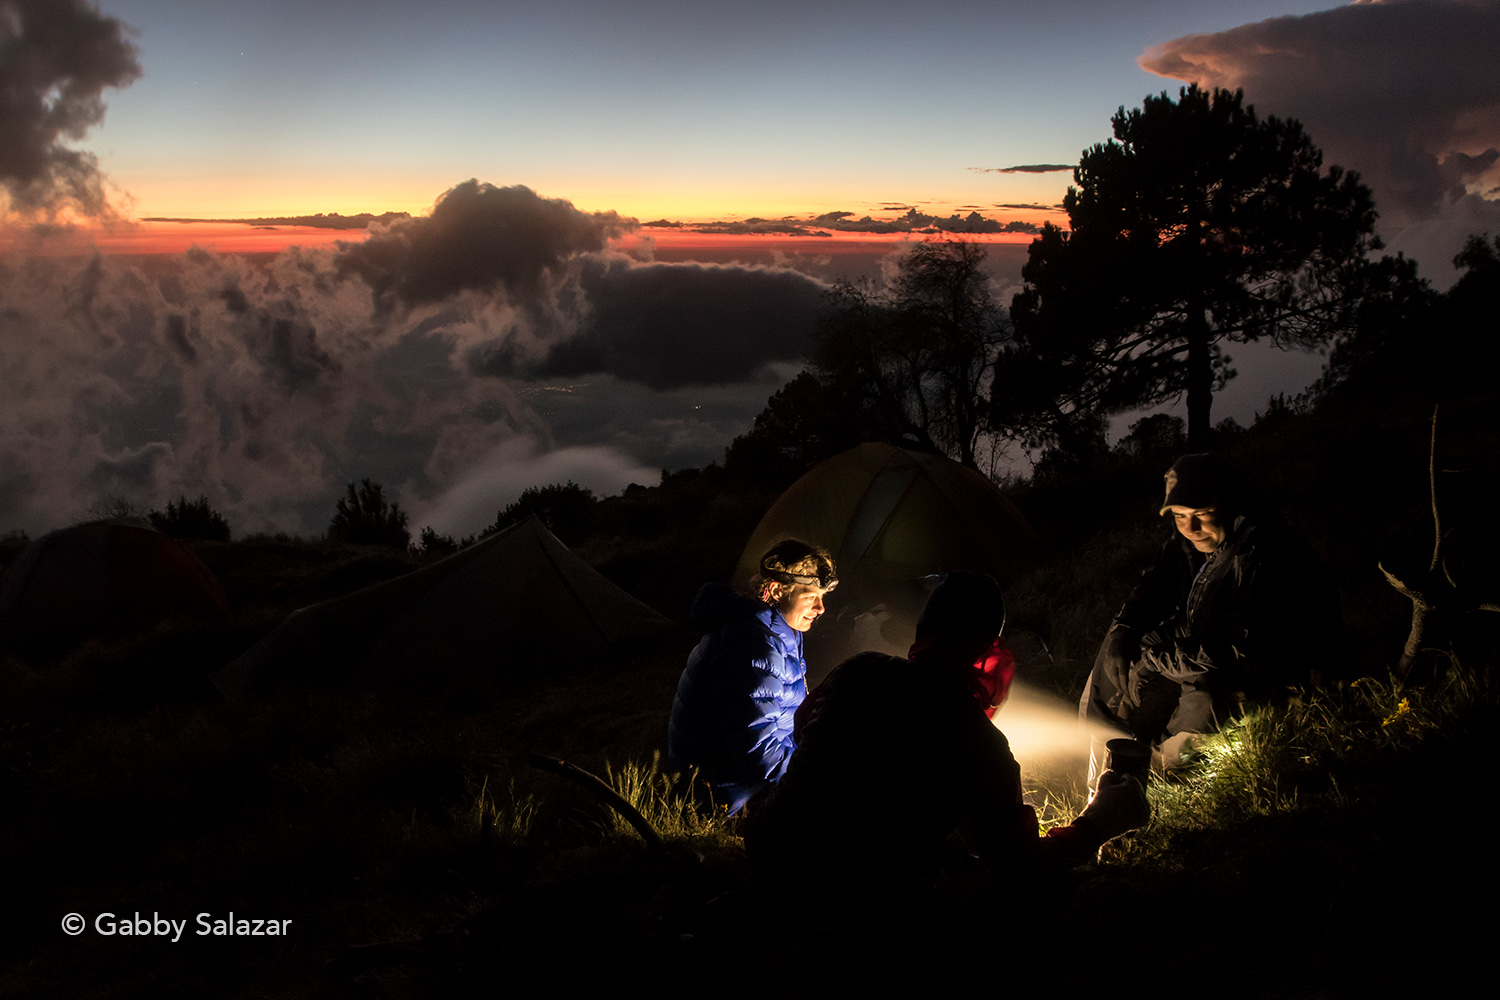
<point x="891" y="518"/>
<point x="515" y="601"/>
<point x="891" y="514"/>
<point x="100" y="579"/>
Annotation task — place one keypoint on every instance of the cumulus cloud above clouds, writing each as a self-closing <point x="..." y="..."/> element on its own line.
<point x="57" y="57"/>
<point x="411" y="359"/>
<point x="479" y="238"/>
<point x="1405" y="92"/>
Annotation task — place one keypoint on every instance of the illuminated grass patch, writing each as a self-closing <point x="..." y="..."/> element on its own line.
<point x="1311" y="752"/>
<point x="507" y="820"/>
<point x="667" y="801"/>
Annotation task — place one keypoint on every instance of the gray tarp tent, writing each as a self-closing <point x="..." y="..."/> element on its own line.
<point x="520" y="594"/>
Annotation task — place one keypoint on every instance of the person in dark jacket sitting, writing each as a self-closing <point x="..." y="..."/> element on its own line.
<point x="733" y="714"/>
<point x="895" y="757"/>
<point x="1234" y="608"/>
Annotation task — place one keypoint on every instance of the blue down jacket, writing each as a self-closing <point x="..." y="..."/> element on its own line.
<point x="732" y="717"/>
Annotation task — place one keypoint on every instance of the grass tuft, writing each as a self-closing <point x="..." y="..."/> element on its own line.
<point x="509" y="821"/>
<point x="667" y="801"/>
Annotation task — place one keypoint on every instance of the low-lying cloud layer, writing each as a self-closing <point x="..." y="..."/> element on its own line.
<point x="1026" y="168"/>
<point x="667" y="326"/>
<point x="1404" y="91"/>
<point x="322" y="220"/>
<point x="57" y="57"/>
<point x="825" y="225"/>
<point x="434" y="357"/>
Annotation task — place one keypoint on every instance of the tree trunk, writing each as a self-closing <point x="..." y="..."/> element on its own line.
<point x="966" y="454"/>
<point x="1200" y="373"/>
<point x="1200" y="388"/>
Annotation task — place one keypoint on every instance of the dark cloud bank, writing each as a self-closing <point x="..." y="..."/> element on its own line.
<point x="322" y="220"/>
<point x="1027" y="168"/>
<point x="912" y="222"/>
<point x="1405" y="91"/>
<point x="460" y="356"/>
<point x="494" y="344"/>
<point x="57" y="57"/>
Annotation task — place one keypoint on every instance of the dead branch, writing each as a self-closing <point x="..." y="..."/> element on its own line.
<point x="1437" y="522"/>
<point x="1440" y="589"/>
<point x="1420" y="605"/>
<point x="598" y="787"/>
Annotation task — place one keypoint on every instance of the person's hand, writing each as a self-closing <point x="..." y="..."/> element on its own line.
<point x="1119" y="805"/>
<point x="1133" y="685"/>
<point x="1121" y="647"/>
<point x="1160" y="658"/>
<point x="1157" y="638"/>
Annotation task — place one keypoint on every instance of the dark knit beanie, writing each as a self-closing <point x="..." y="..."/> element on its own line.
<point x="1199" y="481"/>
<point x="966" y="608"/>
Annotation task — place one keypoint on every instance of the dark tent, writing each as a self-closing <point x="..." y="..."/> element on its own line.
<point x="102" y="579"/>
<point x="514" y="602"/>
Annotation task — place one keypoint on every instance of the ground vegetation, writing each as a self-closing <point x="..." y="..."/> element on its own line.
<point x="419" y="854"/>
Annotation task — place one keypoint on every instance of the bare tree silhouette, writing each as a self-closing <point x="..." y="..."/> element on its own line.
<point x="918" y="355"/>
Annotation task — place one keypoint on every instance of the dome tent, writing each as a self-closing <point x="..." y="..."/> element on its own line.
<point x="518" y="594"/>
<point x="891" y="517"/>
<point x="100" y="579"/>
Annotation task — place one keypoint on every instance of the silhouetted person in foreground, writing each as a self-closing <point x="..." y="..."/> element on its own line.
<point x="898" y="768"/>
<point x="1234" y="608"/>
<point x="733" y="714"/>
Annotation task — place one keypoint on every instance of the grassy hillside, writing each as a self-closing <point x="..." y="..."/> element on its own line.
<point x="1313" y="853"/>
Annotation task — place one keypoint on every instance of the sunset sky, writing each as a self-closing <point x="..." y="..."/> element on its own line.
<point x="696" y="111"/>
<point x="684" y="110"/>
<point x="527" y="325"/>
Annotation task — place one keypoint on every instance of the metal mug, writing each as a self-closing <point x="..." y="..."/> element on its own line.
<point x="1127" y="756"/>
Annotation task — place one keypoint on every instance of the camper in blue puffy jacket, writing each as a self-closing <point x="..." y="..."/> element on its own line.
<point x="732" y="717"/>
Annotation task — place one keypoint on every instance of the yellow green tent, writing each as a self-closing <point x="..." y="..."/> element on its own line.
<point x="891" y="518"/>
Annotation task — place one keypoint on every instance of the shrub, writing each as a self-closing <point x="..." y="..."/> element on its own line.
<point x="364" y="517"/>
<point x="113" y="508"/>
<point x="12" y="543"/>
<point x="435" y="546"/>
<point x="566" y="510"/>
<point x="186" y="518"/>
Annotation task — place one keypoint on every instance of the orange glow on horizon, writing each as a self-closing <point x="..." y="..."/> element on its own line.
<point x="234" y="237"/>
<point x="174" y="237"/>
<point x="229" y="196"/>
